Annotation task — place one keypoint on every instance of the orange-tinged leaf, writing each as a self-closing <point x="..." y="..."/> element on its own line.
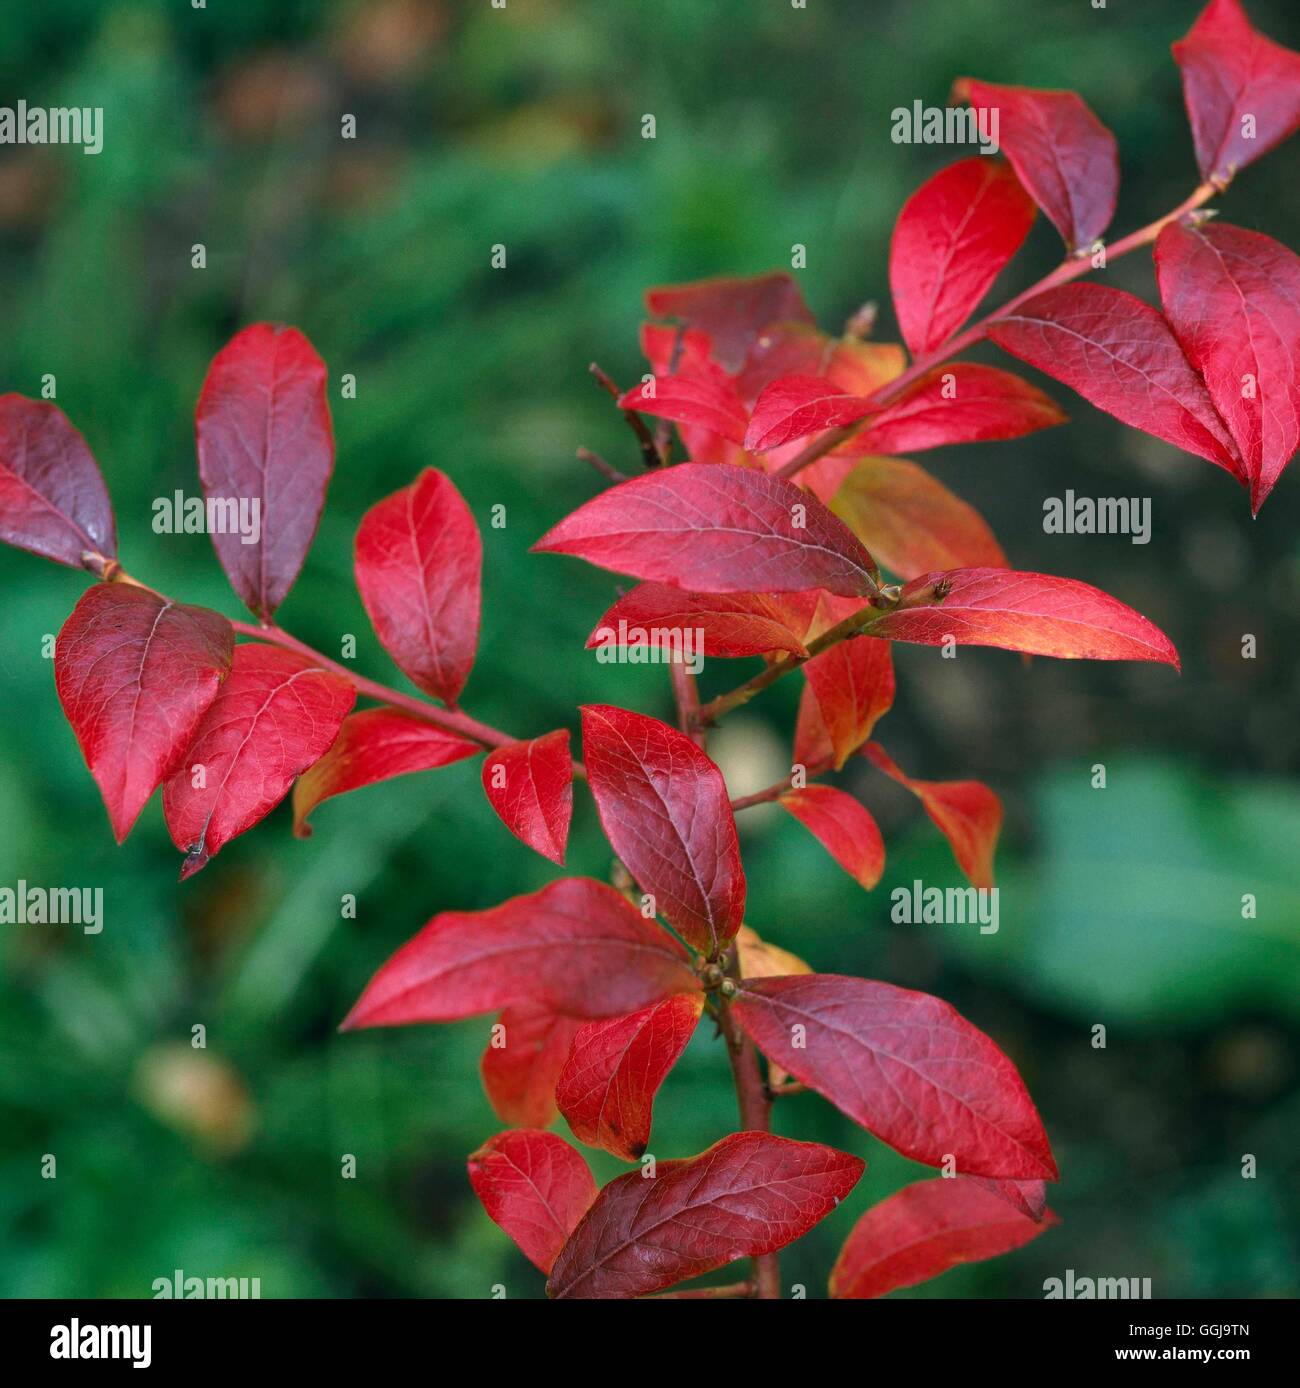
<point x="966" y="813"/>
<point x="1039" y="614"/>
<point x="844" y="828"/>
<point x="760" y="958"/>
<point x="911" y="522"/>
<point x="853" y="683"/>
<point x="522" y="1062"/>
<point x="922" y="1231"/>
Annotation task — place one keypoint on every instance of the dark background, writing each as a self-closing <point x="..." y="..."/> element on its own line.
<point x="1120" y="907"/>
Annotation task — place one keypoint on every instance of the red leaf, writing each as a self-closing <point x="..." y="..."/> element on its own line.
<point x="951" y="240"/>
<point x="812" y="739"/>
<point x="912" y="523"/>
<point x="135" y="673"/>
<point x="274" y="717"/>
<point x="656" y="616"/>
<point x="748" y="1195"/>
<point x="575" y="947"/>
<point x="374" y="745"/>
<point x="1231" y="72"/>
<point x="1036" y="613"/>
<point x="967" y="813"/>
<point x="1029" y="1197"/>
<point x="792" y="407"/>
<point x="536" y="1187"/>
<point x="905" y="1065"/>
<point x="665" y="809"/>
<point x="923" y="1230"/>
<point x="716" y="530"/>
<point x="265" y="437"/>
<point x="731" y="311"/>
<point x="53" y="501"/>
<point x="1065" y="157"/>
<point x="607" y="1088"/>
<point x="843" y="827"/>
<point x="959" y="403"/>
<point x="666" y="348"/>
<point x="1118" y="353"/>
<point x="853" y="683"/>
<point x="530" y="785"/>
<point x="700" y="396"/>
<point x="418" y="565"/>
<point x="1232" y="298"/>
<point x="523" y="1061"/>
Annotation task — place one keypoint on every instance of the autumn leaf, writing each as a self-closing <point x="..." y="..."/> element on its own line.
<point x="522" y="1061"/>
<point x="844" y="828"/>
<point x="967" y="813"/>
<point x="665" y="809"/>
<point x="1064" y="156"/>
<point x="1242" y="90"/>
<point x="700" y="396"/>
<point x="750" y="1194"/>
<point x="372" y="746"/>
<point x="853" y="684"/>
<point x="792" y="407"/>
<point x="1120" y="354"/>
<point x="731" y="624"/>
<point x="275" y="715"/>
<point x="607" y="1088"/>
<point x="576" y="947"/>
<point x="418" y="567"/>
<point x="265" y="438"/>
<point x="731" y="311"/>
<point x="530" y="786"/>
<point x="905" y="1065"/>
<point x="135" y="673"/>
<point x="1036" y="613"/>
<point x="952" y="238"/>
<point x="1232" y="298"/>
<point x="912" y="523"/>
<point x="922" y="1231"/>
<point x="712" y="529"/>
<point x="536" y="1187"/>
<point x="53" y="501"/>
<point x="962" y="402"/>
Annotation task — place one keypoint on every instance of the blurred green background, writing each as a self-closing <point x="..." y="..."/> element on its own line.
<point x="522" y="126"/>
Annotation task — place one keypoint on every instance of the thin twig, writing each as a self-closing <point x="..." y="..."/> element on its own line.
<point x="649" y="452"/>
<point x="605" y="469"/>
